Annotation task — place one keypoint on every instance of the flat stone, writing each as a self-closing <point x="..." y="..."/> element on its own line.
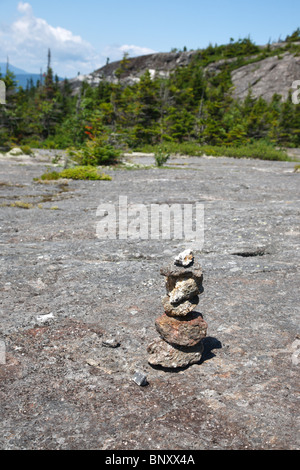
<point x="173" y="271"/>
<point x="184" y="290"/>
<point x="181" y="309"/>
<point x="164" y="354"/>
<point x="182" y="331"/>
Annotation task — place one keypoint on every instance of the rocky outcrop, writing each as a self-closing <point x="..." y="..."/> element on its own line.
<point x="158" y="64"/>
<point x="265" y="77"/>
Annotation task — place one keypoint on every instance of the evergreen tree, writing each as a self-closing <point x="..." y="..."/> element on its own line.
<point x="286" y="122"/>
<point x="192" y="104"/>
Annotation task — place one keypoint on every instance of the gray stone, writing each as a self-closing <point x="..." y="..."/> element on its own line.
<point x="266" y="77"/>
<point x="180" y="272"/>
<point x="184" y="290"/>
<point x="140" y="379"/>
<point x="110" y="342"/>
<point x="181" y="309"/>
<point x="45" y="319"/>
<point x="164" y="354"/>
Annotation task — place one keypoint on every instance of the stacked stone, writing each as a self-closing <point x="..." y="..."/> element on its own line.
<point x="181" y="329"/>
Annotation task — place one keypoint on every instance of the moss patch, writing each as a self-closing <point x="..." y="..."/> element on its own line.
<point x="77" y="173"/>
<point x="22" y="205"/>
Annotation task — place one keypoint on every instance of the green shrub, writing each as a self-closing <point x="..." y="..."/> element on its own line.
<point x="26" y="149"/>
<point x="161" y="157"/>
<point x="257" y="150"/>
<point x="77" y="173"/>
<point x="94" y="154"/>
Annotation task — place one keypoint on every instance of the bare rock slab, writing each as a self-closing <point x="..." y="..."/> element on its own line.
<point x="164" y="354"/>
<point x="182" y="331"/>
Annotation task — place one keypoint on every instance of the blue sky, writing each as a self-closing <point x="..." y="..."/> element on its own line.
<point x="82" y="34"/>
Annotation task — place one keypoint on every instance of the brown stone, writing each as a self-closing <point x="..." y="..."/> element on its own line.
<point x="182" y="331"/>
<point x="164" y="354"/>
<point x="181" y="309"/>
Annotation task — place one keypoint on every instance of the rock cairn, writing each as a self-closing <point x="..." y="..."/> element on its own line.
<point x="181" y="329"/>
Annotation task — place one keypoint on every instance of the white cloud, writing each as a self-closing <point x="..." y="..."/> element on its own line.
<point x="136" y="50"/>
<point x="27" y="39"/>
<point x="116" y="52"/>
<point x="26" y="42"/>
<point x="24" y="7"/>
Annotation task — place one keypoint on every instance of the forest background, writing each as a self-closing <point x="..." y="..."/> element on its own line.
<point x="190" y="112"/>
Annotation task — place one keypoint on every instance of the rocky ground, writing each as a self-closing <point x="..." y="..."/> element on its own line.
<point x="78" y="312"/>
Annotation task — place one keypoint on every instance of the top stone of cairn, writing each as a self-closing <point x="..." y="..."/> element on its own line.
<point x="185" y="258"/>
<point x="183" y="266"/>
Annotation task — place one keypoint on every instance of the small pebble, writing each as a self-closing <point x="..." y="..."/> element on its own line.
<point x="110" y="342"/>
<point x="140" y="379"/>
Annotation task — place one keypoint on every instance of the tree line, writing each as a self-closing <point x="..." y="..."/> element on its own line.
<point x="192" y="105"/>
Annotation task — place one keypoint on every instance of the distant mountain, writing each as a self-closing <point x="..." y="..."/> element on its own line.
<point x="22" y="77"/>
<point x="12" y="68"/>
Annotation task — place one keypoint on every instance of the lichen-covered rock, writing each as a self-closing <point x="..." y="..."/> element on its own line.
<point x="185" y="258"/>
<point x="181" y="309"/>
<point x="164" y="354"/>
<point x="184" y="290"/>
<point x="182" y="331"/>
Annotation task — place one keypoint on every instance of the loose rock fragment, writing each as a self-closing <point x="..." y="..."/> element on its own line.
<point x="110" y="342"/>
<point x="45" y="319"/>
<point x="140" y="379"/>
